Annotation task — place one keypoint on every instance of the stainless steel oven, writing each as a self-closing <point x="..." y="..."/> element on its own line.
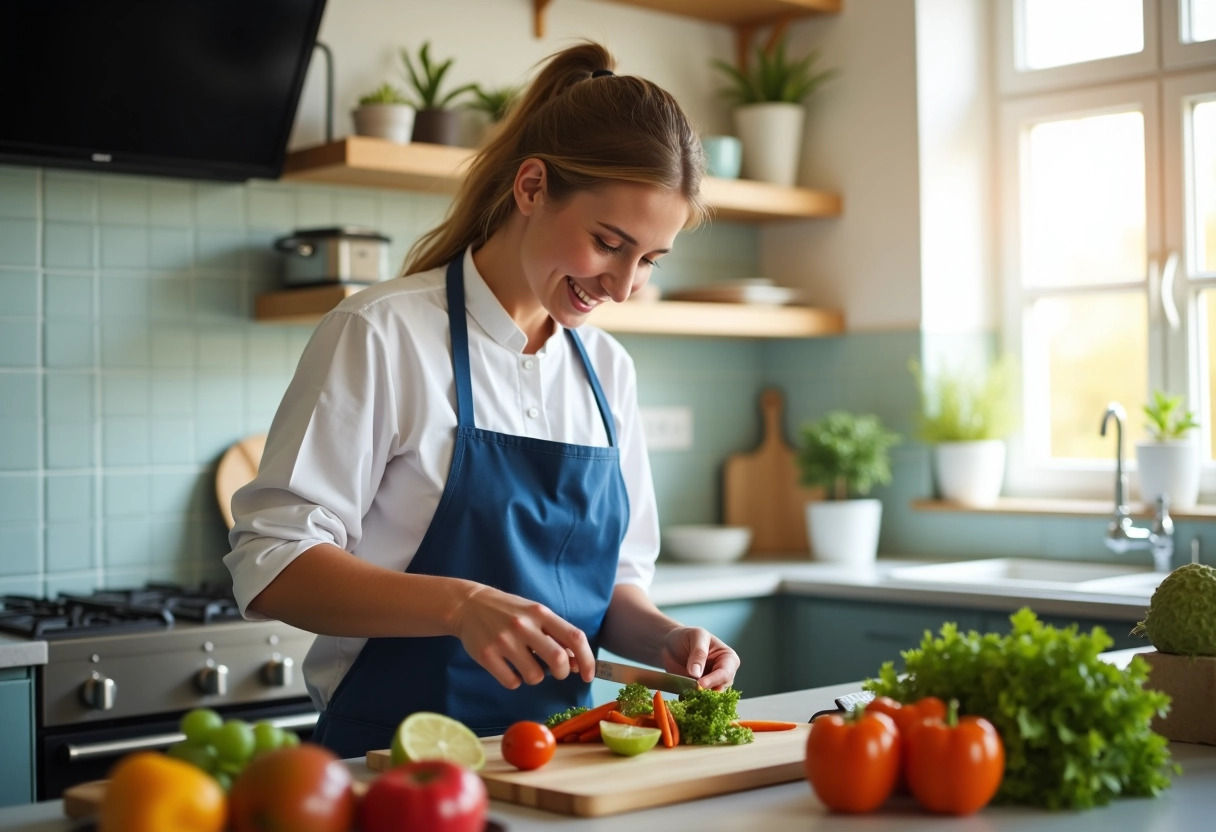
<point x="124" y="666"/>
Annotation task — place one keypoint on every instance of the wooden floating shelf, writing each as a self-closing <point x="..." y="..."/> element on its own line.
<point x="376" y="163"/>
<point x="308" y="305"/>
<point x="735" y="13"/>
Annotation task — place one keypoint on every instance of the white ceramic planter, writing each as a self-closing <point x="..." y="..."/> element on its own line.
<point x="394" y="122"/>
<point x="970" y="473"/>
<point x="844" y="531"/>
<point x="772" y="141"/>
<point x="1170" y="468"/>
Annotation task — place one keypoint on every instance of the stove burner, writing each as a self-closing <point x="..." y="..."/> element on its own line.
<point x="115" y="611"/>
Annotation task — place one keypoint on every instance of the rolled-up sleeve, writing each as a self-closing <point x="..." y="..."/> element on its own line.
<point x="325" y="455"/>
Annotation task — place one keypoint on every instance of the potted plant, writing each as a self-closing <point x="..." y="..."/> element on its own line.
<point x="1169" y="461"/>
<point x="434" y="122"/>
<point x="966" y="415"/>
<point x="769" y="112"/>
<point x="847" y="454"/>
<point x="493" y="103"/>
<point x="386" y="114"/>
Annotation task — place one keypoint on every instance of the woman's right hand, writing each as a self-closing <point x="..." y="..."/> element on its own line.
<point x="510" y="636"/>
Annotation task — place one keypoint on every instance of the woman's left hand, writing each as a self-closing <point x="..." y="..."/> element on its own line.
<point x="696" y="652"/>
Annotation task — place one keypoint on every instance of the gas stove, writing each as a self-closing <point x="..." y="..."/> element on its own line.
<point x="124" y="665"/>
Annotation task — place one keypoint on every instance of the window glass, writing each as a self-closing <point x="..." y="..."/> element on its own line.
<point x="1202" y="20"/>
<point x="1060" y="32"/>
<point x="1203" y="147"/>
<point x="1096" y="349"/>
<point x="1084" y="209"/>
<point x="1207" y="314"/>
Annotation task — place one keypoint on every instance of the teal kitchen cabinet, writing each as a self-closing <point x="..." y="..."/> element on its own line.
<point x="751" y="626"/>
<point x="831" y="641"/>
<point x="17" y="729"/>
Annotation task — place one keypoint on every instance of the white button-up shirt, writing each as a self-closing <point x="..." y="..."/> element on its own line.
<point x="359" y="450"/>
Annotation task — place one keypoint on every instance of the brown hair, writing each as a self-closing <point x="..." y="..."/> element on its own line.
<point x="589" y="131"/>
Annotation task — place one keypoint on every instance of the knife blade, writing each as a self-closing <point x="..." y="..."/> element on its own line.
<point x="654" y="679"/>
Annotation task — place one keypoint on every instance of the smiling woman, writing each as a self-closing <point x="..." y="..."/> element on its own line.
<point x="455" y="492"/>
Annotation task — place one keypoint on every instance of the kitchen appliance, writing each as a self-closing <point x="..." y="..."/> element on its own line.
<point x="342" y="254"/>
<point x="588" y="780"/>
<point x="123" y="667"/>
<point x="181" y="88"/>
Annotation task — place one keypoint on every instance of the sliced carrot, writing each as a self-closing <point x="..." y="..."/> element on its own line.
<point x="617" y="716"/>
<point x="580" y="723"/>
<point x="675" y="729"/>
<point x="759" y="725"/>
<point x="592" y="734"/>
<point x="661" y="720"/>
<point x="647" y="721"/>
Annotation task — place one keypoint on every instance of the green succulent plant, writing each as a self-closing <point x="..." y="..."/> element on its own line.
<point x="1167" y="419"/>
<point x="965" y="405"/>
<point x="386" y="93"/>
<point x="494" y="101"/>
<point x="426" y="80"/>
<point x="846" y="453"/>
<point x="773" y="76"/>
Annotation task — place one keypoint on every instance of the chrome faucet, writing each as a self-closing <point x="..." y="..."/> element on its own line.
<point x="1121" y="534"/>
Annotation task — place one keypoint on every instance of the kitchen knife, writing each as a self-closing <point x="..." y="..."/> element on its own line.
<point x="654" y="679"/>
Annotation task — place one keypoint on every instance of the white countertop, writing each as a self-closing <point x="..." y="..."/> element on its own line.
<point x="21" y="652"/>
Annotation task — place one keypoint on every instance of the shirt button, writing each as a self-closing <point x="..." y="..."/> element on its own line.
<point x="529" y="363"/>
<point x="533" y="412"/>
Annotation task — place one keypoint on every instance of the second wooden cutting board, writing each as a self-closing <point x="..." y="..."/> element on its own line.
<point x="588" y="780"/>
<point x="760" y="489"/>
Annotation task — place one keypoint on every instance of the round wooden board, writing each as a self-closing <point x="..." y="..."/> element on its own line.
<point x="238" y="466"/>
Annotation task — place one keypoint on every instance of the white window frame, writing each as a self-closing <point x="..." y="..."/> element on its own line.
<point x="1175" y="52"/>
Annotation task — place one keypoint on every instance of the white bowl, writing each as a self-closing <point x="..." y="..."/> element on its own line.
<point x="706" y="544"/>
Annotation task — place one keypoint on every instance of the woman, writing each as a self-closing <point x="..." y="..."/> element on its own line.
<point x="455" y="492"/>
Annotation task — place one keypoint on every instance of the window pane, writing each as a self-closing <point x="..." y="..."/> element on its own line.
<point x="1207" y="367"/>
<point x="1203" y="148"/>
<point x="1202" y="19"/>
<point x="1084" y="211"/>
<point x="1059" y="32"/>
<point x="1096" y="351"/>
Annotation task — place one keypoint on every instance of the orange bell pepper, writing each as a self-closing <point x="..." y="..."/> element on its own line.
<point x="955" y="764"/>
<point x="153" y="792"/>
<point x="906" y="716"/>
<point x="852" y="762"/>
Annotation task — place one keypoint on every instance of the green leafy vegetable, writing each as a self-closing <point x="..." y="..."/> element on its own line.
<point x="704" y="717"/>
<point x="635" y="699"/>
<point x="1076" y="729"/>
<point x="556" y="719"/>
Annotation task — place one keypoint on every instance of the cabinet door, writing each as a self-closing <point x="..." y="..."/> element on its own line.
<point x="832" y="642"/>
<point x="1119" y="631"/>
<point x="17" y="728"/>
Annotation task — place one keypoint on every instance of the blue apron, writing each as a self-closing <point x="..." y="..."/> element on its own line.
<point x="540" y="519"/>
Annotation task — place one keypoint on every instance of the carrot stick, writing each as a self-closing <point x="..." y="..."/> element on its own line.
<point x="592" y="734"/>
<point x="660" y="718"/>
<point x="580" y="723"/>
<point x="617" y="716"/>
<point x="647" y="721"/>
<point x="675" y="729"/>
<point x="759" y="725"/>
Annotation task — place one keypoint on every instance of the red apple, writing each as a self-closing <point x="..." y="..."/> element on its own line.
<point x="432" y="794"/>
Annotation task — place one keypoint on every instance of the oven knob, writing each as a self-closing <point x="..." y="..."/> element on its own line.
<point x="98" y="692"/>
<point x="279" y="672"/>
<point x="213" y="680"/>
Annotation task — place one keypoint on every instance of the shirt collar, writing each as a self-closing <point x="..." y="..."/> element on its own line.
<point x="490" y="315"/>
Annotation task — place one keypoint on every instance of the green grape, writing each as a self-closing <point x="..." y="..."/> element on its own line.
<point x="233" y="741"/>
<point x="224" y="779"/>
<point x="200" y="756"/>
<point x="266" y="737"/>
<point x="290" y="738"/>
<point x="199" y="724"/>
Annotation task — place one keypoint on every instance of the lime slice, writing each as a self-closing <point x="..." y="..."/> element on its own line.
<point x="628" y="740"/>
<point x="430" y="736"/>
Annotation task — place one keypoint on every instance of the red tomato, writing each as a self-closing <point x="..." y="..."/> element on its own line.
<point x="528" y="745"/>
<point x="431" y="795"/>
<point x="304" y="788"/>
<point x="852" y="763"/>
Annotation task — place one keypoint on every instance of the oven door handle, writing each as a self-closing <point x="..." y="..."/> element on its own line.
<point x="93" y="750"/>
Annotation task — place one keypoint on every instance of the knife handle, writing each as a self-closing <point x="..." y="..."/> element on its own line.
<point x="846" y="703"/>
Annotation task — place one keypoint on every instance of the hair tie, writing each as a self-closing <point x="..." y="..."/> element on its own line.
<point x="600" y="73"/>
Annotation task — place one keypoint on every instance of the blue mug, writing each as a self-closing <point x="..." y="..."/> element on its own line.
<point x="723" y="156"/>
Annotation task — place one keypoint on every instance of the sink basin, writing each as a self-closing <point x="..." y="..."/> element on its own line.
<point x="1029" y="573"/>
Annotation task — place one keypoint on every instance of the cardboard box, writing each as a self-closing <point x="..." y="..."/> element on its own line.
<point x="1191" y="684"/>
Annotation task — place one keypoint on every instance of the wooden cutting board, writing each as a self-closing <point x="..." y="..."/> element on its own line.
<point x="238" y="466"/>
<point x="760" y="489"/>
<point x="588" y="780"/>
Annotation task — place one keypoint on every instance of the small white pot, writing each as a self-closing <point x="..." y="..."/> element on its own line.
<point x="772" y="141"/>
<point x="844" y="531"/>
<point x="1170" y="468"/>
<point x="394" y="122"/>
<point x="970" y="473"/>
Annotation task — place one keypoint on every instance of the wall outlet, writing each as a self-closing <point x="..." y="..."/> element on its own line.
<point x="667" y="428"/>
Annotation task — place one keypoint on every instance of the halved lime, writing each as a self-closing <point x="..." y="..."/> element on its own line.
<point x="429" y="736"/>
<point x="628" y="740"/>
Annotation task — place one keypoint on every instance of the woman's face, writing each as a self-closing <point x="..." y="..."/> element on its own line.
<point x="598" y="246"/>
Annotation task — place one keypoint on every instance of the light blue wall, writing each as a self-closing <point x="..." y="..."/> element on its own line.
<point x="129" y="360"/>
